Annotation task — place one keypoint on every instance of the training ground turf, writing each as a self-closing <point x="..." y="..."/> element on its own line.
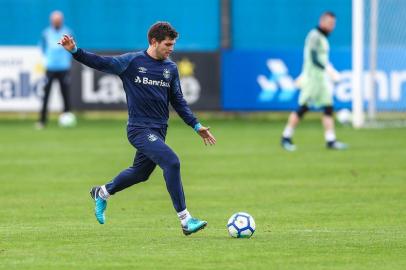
<point x="314" y="209"/>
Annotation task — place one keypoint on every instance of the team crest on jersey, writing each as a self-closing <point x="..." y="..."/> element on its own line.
<point x="166" y="73"/>
<point x="152" y="137"/>
<point x="142" y="70"/>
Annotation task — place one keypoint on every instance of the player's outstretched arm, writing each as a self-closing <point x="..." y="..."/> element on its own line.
<point x="68" y="43"/>
<point x="109" y="64"/>
<point x="205" y="133"/>
<point x="182" y="108"/>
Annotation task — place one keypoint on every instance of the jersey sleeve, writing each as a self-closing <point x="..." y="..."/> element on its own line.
<point x="316" y="50"/>
<point x="179" y="103"/>
<point x="43" y="42"/>
<point x="109" y="64"/>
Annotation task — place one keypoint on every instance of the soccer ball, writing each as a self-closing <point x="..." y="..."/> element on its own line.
<point x="344" y="116"/>
<point x="241" y="225"/>
<point x="67" y="120"/>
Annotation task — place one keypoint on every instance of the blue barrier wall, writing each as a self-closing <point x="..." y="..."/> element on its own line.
<point x="264" y="24"/>
<point x="122" y="24"/>
<point x="265" y="80"/>
<point x="113" y="24"/>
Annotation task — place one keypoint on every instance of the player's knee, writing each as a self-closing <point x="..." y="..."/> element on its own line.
<point x="136" y="174"/>
<point x="173" y="163"/>
<point x="141" y="177"/>
<point x="301" y="111"/>
<point x="328" y="110"/>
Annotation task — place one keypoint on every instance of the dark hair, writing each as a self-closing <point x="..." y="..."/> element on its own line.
<point x="328" y="13"/>
<point x="160" y="31"/>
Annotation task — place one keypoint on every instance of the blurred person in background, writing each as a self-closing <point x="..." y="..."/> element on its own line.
<point x="314" y="85"/>
<point x="151" y="82"/>
<point x="57" y="64"/>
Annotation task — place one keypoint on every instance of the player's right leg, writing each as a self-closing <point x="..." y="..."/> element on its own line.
<point x="293" y="121"/>
<point x="44" y="109"/>
<point x="97" y="193"/>
<point x="139" y="172"/>
<point x="64" y="77"/>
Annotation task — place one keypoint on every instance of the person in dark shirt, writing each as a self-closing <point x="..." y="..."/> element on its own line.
<point x="151" y="83"/>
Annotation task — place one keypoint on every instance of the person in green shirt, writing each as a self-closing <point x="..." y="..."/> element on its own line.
<point x="314" y="86"/>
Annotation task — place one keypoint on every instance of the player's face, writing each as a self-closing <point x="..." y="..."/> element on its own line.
<point x="56" y="20"/>
<point x="328" y="23"/>
<point x="164" y="48"/>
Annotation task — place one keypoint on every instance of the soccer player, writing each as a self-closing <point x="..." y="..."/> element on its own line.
<point x="314" y="85"/>
<point x="151" y="82"/>
<point x="57" y="63"/>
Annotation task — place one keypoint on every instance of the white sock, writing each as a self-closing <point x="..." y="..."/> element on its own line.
<point x="184" y="216"/>
<point x="330" y="135"/>
<point x="103" y="193"/>
<point x="288" y="132"/>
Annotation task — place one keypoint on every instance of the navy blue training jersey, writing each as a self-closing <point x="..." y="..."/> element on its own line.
<point x="150" y="85"/>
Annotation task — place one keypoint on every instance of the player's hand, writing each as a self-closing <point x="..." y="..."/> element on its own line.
<point x="208" y="138"/>
<point x="67" y="42"/>
<point x="334" y="75"/>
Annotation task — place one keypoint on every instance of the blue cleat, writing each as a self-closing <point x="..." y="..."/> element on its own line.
<point x="193" y="225"/>
<point x="287" y="144"/>
<point x="100" y="205"/>
<point x="336" y="145"/>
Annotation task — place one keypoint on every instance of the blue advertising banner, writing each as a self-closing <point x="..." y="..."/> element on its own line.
<point x="266" y="80"/>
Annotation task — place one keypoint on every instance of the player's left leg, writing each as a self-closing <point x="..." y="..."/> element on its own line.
<point x="151" y="142"/>
<point x="329" y="130"/>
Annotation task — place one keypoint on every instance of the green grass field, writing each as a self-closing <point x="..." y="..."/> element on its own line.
<point x="314" y="209"/>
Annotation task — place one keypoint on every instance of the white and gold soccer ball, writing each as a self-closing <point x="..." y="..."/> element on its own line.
<point x="344" y="116"/>
<point x="241" y="225"/>
<point x="67" y="120"/>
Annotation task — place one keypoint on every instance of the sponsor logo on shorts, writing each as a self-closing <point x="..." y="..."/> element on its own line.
<point x="152" y="137"/>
